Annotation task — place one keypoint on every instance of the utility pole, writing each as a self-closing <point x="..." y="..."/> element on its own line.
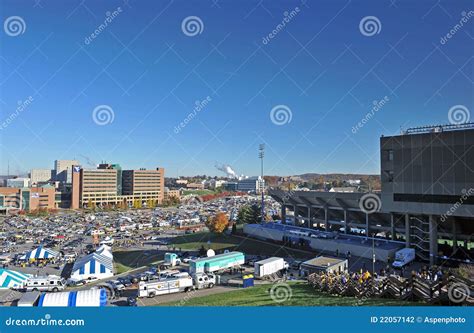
<point x="261" y="155"/>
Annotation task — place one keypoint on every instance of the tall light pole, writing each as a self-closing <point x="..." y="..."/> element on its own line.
<point x="261" y="155"/>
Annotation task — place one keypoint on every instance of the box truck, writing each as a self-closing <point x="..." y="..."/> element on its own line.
<point x="179" y="283"/>
<point x="403" y="257"/>
<point x="269" y="266"/>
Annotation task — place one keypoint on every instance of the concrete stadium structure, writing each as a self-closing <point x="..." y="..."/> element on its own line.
<point x="427" y="197"/>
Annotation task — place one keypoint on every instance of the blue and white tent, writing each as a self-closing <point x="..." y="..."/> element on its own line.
<point x="98" y="264"/>
<point x="91" y="297"/>
<point x="11" y="279"/>
<point x="40" y="253"/>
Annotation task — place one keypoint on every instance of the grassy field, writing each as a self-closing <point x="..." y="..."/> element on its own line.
<point x="198" y="192"/>
<point x="301" y="295"/>
<point x="127" y="260"/>
<point x="234" y="243"/>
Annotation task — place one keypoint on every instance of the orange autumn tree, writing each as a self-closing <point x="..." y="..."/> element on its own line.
<point x="218" y="223"/>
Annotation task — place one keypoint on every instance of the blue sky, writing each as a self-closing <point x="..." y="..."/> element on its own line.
<point x="320" y="66"/>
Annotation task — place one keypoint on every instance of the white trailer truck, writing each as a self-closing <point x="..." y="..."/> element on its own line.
<point x="176" y="284"/>
<point x="269" y="266"/>
<point x="403" y="257"/>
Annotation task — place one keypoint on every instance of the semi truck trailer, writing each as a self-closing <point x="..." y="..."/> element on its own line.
<point x="216" y="263"/>
<point x="269" y="266"/>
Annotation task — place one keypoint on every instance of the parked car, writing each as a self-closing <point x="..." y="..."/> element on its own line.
<point x="188" y="259"/>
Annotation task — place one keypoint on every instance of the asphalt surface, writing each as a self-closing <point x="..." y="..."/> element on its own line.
<point x="183" y="297"/>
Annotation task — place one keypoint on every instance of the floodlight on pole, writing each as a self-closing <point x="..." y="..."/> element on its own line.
<point x="261" y="155"/>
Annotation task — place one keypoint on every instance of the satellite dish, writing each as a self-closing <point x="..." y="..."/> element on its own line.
<point x="211" y="253"/>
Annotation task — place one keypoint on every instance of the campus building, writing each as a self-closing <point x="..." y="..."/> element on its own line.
<point x="251" y="184"/>
<point x="426" y="202"/>
<point x="63" y="170"/>
<point x="27" y="199"/>
<point x="18" y="182"/>
<point x="39" y="176"/>
<point x="110" y="185"/>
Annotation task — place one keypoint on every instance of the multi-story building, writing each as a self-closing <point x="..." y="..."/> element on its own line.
<point x="143" y="182"/>
<point x="18" y="182"/>
<point x="251" y="184"/>
<point x="171" y="193"/>
<point x="110" y="185"/>
<point x="215" y="183"/>
<point x="39" y="176"/>
<point x="63" y="170"/>
<point x="28" y="199"/>
<point x="195" y="186"/>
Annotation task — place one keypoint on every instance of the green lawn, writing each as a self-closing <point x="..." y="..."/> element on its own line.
<point x="127" y="260"/>
<point x="234" y="243"/>
<point x="198" y="192"/>
<point x="301" y="295"/>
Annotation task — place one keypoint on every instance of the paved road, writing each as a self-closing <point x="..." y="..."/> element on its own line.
<point x="183" y="297"/>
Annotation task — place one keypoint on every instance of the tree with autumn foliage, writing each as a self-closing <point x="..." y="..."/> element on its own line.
<point x="218" y="223"/>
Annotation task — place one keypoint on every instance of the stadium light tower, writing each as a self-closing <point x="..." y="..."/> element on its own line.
<point x="261" y="155"/>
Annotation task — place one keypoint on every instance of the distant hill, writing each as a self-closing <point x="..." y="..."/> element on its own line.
<point x="316" y="180"/>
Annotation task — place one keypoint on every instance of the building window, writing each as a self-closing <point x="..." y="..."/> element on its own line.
<point x="390" y="154"/>
<point x="389" y="175"/>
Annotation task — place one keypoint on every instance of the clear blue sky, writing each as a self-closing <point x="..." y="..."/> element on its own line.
<point x="150" y="73"/>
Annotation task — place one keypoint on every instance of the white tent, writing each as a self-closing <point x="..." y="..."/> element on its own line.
<point x="40" y="253"/>
<point x="98" y="264"/>
<point x="11" y="279"/>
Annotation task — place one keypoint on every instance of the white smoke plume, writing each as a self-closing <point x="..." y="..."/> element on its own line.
<point x="227" y="169"/>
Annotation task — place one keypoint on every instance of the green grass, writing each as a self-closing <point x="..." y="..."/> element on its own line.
<point x="222" y="242"/>
<point x="120" y="268"/>
<point x="301" y="295"/>
<point x="198" y="192"/>
<point x="127" y="260"/>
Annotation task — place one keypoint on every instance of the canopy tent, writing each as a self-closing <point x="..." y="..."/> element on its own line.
<point x="11" y="279"/>
<point x="40" y="253"/>
<point x="98" y="264"/>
